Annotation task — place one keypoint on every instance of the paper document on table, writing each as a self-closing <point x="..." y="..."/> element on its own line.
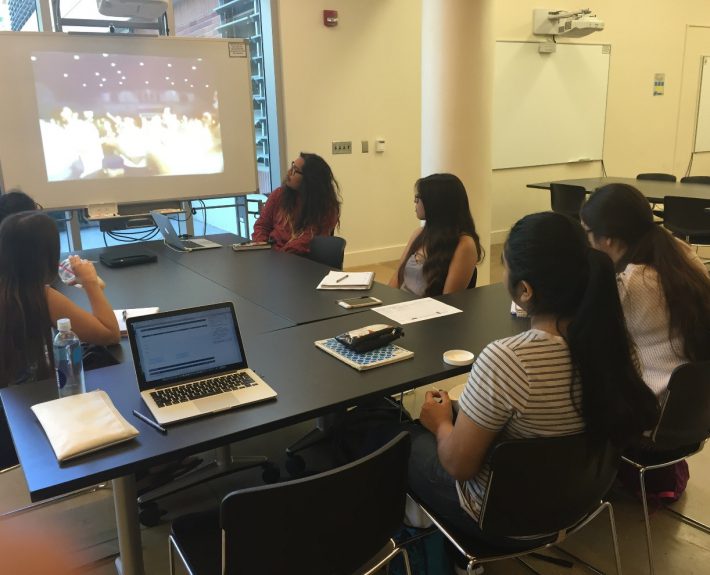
<point x="123" y="314"/>
<point x="416" y="310"/>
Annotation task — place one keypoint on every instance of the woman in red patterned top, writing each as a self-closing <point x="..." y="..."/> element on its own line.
<point x="306" y="205"/>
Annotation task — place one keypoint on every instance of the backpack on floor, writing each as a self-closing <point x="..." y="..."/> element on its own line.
<point x="663" y="486"/>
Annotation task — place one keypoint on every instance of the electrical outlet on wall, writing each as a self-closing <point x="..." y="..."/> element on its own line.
<point x="342" y="147"/>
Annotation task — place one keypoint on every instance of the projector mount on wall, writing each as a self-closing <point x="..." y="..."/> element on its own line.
<point x="548" y="22"/>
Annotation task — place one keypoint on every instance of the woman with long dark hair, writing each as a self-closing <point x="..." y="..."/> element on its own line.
<point x="440" y="257"/>
<point x="15" y="201"/>
<point x="306" y="205"/>
<point x="571" y="372"/>
<point x="663" y="285"/>
<point x="29" y="252"/>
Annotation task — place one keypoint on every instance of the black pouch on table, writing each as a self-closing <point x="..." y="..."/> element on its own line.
<point x="370" y="337"/>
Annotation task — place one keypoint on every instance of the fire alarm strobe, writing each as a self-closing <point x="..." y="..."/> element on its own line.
<point x="330" y="18"/>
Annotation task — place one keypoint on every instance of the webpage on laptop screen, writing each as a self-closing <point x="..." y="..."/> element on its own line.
<point x="187" y="345"/>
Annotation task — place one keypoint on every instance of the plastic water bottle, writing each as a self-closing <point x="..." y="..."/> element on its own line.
<point x="67" y="360"/>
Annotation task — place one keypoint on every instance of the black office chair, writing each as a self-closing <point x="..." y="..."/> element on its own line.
<point x="539" y="486"/>
<point x="681" y="432"/>
<point x="330" y="523"/>
<point x="705" y="180"/>
<point x="688" y="218"/>
<point x="328" y="250"/>
<point x="474" y="279"/>
<point x="567" y="199"/>
<point x="656" y="176"/>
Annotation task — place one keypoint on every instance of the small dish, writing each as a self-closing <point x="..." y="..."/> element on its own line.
<point x="458" y="357"/>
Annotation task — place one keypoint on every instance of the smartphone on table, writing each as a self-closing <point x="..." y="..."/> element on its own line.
<point x="362" y="301"/>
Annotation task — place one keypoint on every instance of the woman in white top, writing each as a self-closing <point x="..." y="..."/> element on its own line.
<point x="663" y="285"/>
<point x="441" y="256"/>
<point x="571" y="372"/>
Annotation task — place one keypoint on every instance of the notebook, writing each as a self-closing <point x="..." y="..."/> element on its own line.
<point x="347" y="280"/>
<point x="385" y="355"/>
<point x="123" y="314"/>
<point x="172" y="238"/>
<point x="191" y="362"/>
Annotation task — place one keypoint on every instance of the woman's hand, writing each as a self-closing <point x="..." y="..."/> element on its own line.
<point x="436" y="411"/>
<point x="84" y="271"/>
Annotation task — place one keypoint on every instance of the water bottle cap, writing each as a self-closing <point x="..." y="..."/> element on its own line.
<point x="64" y="324"/>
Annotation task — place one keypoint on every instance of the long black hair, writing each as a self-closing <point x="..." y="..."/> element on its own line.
<point x="447" y="218"/>
<point x="621" y="212"/>
<point x="15" y="201"/>
<point x="29" y="254"/>
<point x="576" y="284"/>
<point x="320" y="195"/>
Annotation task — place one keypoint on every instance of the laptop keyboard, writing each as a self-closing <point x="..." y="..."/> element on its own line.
<point x="189" y="244"/>
<point x="203" y="388"/>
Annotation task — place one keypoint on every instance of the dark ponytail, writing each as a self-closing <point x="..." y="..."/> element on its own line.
<point x="621" y="212"/>
<point x="576" y="285"/>
<point x="616" y="403"/>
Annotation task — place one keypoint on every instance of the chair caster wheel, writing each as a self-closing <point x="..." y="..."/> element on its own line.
<point x="295" y="465"/>
<point x="271" y="473"/>
<point x="150" y="514"/>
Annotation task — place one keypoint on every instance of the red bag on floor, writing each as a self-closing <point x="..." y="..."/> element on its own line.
<point x="663" y="486"/>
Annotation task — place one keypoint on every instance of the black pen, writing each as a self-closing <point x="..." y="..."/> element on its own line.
<point x="341" y="278"/>
<point x="153" y="424"/>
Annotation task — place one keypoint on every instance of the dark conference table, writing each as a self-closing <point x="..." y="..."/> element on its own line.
<point x="308" y="381"/>
<point x="283" y="283"/>
<point x="655" y="191"/>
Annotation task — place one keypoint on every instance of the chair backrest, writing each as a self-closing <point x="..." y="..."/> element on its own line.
<point x="329" y="523"/>
<point x="544" y="485"/>
<point x="474" y="279"/>
<point x="328" y="250"/>
<point x="685" y="419"/>
<point x="686" y="216"/>
<point x="696" y="180"/>
<point x="657" y="176"/>
<point x="567" y="199"/>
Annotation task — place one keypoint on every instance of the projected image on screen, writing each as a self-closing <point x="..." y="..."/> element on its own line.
<point x="121" y="115"/>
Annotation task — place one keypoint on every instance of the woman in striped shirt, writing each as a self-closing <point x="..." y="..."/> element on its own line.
<point x="571" y="372"/>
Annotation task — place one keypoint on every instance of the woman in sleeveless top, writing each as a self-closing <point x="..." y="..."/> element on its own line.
<point x="441" y="256"/>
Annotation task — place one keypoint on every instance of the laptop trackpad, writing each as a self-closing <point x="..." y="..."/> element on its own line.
<point x="212" y="404"/>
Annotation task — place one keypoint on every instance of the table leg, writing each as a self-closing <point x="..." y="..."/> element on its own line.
<point x="130" y="560"/>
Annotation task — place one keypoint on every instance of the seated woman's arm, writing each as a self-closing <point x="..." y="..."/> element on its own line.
<point x="265" y="223"/>
<point x="461" y="267"/>
<point x="461" y="447"/>
<point x="394" y="280"/>
<point x="99" y="326"/>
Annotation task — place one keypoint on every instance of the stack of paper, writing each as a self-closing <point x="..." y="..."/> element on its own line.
<point x="347" y="280"/>
<point x="83" y="423"/>
<point x="123" y="314"/>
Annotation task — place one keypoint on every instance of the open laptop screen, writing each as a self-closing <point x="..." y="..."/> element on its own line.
<point x="185" y="344"/>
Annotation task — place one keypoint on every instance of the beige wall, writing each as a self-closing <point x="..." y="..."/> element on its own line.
<point x="643" y="133"/>
<point x="358" y="81"/>
<point x="362" y="79"/>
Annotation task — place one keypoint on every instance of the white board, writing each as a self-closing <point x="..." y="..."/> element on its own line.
<point x="549" y="108"/>
<point x="702" y="130"/>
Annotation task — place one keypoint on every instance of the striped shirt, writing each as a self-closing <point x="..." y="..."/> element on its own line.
<point x="520" y="387"/>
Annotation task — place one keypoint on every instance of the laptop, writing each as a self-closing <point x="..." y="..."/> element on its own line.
<point x="191" y="362"/>
<point x="172" y="238"/>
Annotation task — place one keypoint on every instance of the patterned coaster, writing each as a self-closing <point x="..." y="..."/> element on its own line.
<point x="361" y="361"/>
